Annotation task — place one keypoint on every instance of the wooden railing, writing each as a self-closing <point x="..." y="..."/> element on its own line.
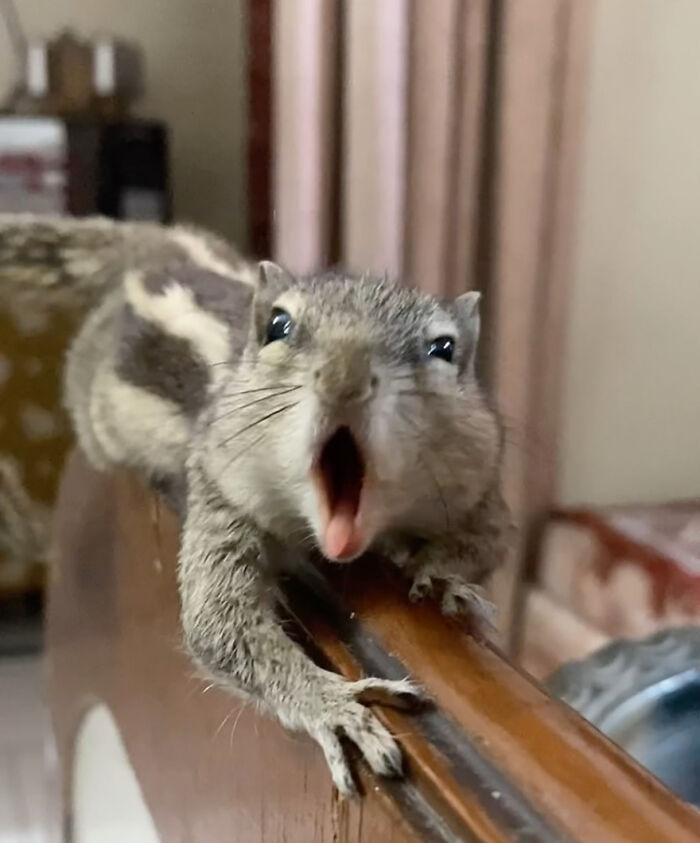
<point x="493" y="759"/>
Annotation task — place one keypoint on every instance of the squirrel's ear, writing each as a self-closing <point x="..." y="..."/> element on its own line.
<point x="468" y="313"/>
<point x="272" y="281"/>
<point x="273" y="276"/>
<point x="469" y="318"/>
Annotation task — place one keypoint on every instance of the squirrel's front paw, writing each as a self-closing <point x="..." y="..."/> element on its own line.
<point x="340" y="711"/>
<point x="456" y="595"/>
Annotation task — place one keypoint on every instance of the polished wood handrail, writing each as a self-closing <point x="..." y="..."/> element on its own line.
<point x="529" y="759"/>
<point x="492" y="759"/>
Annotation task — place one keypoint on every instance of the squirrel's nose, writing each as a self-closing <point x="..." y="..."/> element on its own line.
<point x="345" y="376"/>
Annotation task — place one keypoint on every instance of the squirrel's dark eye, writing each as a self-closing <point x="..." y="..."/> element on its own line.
<point x="442" y="347"/>
<point x="279" y="326"/>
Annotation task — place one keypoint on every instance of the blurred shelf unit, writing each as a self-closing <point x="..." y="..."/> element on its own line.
<point x="68" y="143"/>
<point x="54" y="165"/>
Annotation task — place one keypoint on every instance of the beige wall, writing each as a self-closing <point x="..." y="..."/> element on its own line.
<point x="195" y="82"/>
<point x="632" y="401"/>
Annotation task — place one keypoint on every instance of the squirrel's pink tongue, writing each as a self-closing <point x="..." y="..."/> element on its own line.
<point x="341" y="538"/>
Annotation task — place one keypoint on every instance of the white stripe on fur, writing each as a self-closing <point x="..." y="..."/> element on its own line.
<point x="199" y="251"/>
<point x="177" y="313"/>
<point x="155" y="425"/>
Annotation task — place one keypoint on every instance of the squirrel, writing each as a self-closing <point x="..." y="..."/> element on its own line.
<point x="282" y="415"/>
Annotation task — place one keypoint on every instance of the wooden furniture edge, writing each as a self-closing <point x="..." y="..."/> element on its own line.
<point x="493" y="759"/>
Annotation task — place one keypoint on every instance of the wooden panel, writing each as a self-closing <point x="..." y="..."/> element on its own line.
<point x="568" y="117"/>
<point x="259" y="182"/>
<point x="542" y="48"/>
<point x="465" y="181"/>
<point x="493" y="757"/>
<point x="374" y="135"/>
<point x="450" y="47"/>
<point x="435" y="35"/>
<point x="305" y="43"/>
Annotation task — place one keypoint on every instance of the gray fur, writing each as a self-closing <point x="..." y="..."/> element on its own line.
<point x="231" y="302"/>
<point x="238" y="428"/>
<point x="154" y="360"/>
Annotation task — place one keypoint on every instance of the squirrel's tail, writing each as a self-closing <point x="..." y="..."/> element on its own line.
<point x="74" y="262"/>
<point x="71" y="264"/>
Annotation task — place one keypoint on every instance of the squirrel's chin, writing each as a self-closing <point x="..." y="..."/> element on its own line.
<point x="342" y="560"/>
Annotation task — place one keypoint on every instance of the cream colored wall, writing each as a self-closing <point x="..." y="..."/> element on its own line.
<point x="195" y="81"/>
<point x="631" y="427"/>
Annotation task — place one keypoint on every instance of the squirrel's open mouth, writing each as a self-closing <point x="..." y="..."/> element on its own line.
<point x="340" y="476"/>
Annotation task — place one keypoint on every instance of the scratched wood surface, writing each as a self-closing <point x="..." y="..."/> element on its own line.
<point x="493" y="760"/>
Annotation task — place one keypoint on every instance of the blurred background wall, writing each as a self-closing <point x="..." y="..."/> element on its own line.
<point x="194" y="80"/>
<point x="631" y="414"/>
